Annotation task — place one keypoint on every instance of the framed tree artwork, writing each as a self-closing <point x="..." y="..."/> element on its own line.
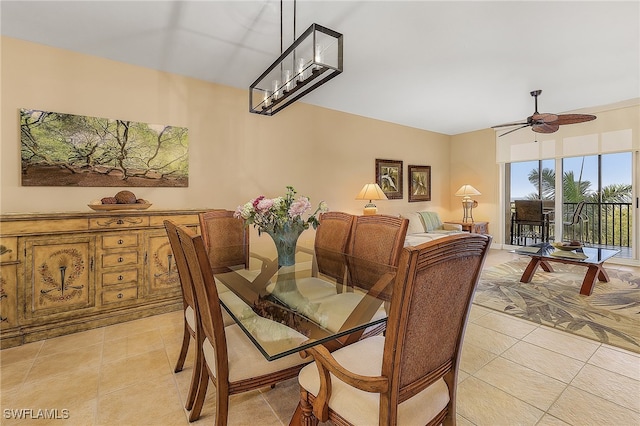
<point x="419" y="183"/>
<point x="389" y="178"/>
<point x="60" y="149"/>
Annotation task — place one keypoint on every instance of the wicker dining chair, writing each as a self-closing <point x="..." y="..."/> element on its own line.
<point x="230" y="360"/>
<point x="375" y="244"/>
<point x="330" y="244"/>
<point x="226" y="240"/>
<point x="408" y="376"/>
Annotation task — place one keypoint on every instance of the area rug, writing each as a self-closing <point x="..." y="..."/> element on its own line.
<point x="611" y="314"/>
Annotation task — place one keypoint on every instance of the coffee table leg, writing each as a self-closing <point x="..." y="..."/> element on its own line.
<point x="531" y="269"/>
<point x="602" y="275"/>
<point x="593" y="272"/>
<point x="546" y="266"/>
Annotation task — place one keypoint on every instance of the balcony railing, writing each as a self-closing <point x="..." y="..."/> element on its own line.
<point x="606" y="225"/>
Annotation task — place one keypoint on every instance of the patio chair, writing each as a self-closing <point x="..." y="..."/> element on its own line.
<point x="578" y="220"/>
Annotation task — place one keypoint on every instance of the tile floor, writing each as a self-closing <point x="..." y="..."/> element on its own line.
<point x="512" y="373"/>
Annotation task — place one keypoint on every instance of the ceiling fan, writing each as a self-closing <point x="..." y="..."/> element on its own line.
<point x="546" y="123"/>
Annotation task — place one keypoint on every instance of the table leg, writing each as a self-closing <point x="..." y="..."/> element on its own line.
<point x="531" y="269"/>
<point x="546" y="266"/>
<point x="527" y="276"/>
<point x="593" y="272"/>
<point x="602" y="274"/>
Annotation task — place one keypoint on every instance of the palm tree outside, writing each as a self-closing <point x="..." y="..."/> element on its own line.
<point x="608" y="210"/>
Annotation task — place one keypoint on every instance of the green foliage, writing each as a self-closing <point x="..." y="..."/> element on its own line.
<point x="576" y="190"/>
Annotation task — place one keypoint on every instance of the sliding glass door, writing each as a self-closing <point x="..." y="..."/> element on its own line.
<point x="604" y="184"/>
<point x="596" y="193"/>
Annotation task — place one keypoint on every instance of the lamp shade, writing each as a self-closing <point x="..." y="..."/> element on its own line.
<point x="467" y="190"/>
<point x="371" y="191"/>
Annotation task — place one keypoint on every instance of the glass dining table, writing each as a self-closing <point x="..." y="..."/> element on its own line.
<point x="286" y="309"/>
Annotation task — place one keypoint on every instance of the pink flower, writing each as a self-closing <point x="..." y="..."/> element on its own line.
<point x="264" y="204"/>
<point x="299" y="206"/>
<point x="256" y="201"/>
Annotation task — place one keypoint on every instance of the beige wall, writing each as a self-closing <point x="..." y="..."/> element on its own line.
<point x="473" y="162"/>
<point x="234" y="155"/>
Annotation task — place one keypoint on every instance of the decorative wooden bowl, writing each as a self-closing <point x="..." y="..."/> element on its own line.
<point x="108" y="207"/>
<point x="559" y="246"/>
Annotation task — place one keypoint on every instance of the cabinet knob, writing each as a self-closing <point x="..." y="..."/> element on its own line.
<point x="120" y="259"/>
<point x="120" y="295"/>
<point x="120" y="222"/>
<point x="120" y="278"/>
<point x="120" y="242"/>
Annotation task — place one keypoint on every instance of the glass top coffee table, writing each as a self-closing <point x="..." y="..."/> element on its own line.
<point x="593" y="258"/>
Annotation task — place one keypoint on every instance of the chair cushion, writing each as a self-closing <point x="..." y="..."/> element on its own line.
<point x="190" y="318"/>
<point x="236" y="305"/>
<point x="416" y="226"/>
<point x="431" y="221"/>
<point x="362" y="408"/>
<point x="312" y="288"/>
<point x="245" y="361"/>
<point x="334" y="310"/>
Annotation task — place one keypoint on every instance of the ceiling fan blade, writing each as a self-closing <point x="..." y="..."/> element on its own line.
<point x="510" y="124"/>
<point x="545" y="127"/>
<point x="573" y="118"/>
<point x="544" y="118"/>
<point x="513" y="130"/>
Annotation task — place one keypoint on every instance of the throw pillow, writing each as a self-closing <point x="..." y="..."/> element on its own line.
<point x="431" y="221"/>
<point x="415" y="224"/>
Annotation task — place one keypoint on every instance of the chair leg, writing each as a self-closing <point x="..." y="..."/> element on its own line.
<point x="308" y="418"/>
<point x="195" y="377"/>
<point x="186" y="337"/>
<point x="222" y="405"/>
<point x="201" y="393"/>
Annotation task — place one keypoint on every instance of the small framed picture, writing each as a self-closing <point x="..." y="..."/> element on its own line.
<point x="419" y="183"/>
<point x="389" y="178"/>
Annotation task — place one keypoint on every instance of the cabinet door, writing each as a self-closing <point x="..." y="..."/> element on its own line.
<point x="8" y="282"/>
<point x="59" y="274"/>
<point x="8" y="301"/>
<point x="162" y="275"/>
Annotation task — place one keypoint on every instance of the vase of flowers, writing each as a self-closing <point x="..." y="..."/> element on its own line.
<point x="281" y="218"/>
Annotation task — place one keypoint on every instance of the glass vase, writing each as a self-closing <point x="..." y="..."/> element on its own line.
<point x="286" y="240"/>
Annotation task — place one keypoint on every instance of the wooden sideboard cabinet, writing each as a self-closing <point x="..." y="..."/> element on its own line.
<point x="67" y="272"/>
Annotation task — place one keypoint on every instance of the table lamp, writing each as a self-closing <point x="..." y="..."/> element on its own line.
<point x="371" y="191"/>
<point x="468" y="204"/>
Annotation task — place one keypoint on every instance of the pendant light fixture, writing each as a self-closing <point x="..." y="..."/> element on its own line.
<point x="312" y="60"/>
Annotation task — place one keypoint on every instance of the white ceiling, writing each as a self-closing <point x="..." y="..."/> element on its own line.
<point x="448" y="66"/>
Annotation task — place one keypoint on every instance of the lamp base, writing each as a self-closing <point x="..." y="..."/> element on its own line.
<point x="467" y="205"/>
<point x="370" y="209"/>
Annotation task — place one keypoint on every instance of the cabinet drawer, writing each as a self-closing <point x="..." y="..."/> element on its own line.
<point x="115" y="296"/>
<point x="117" y="241"/>
<point x="183" y="219"/>
<point x="120" y="277"/>
<point x="120" y="259"/>
<point x="118" y="222"/>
